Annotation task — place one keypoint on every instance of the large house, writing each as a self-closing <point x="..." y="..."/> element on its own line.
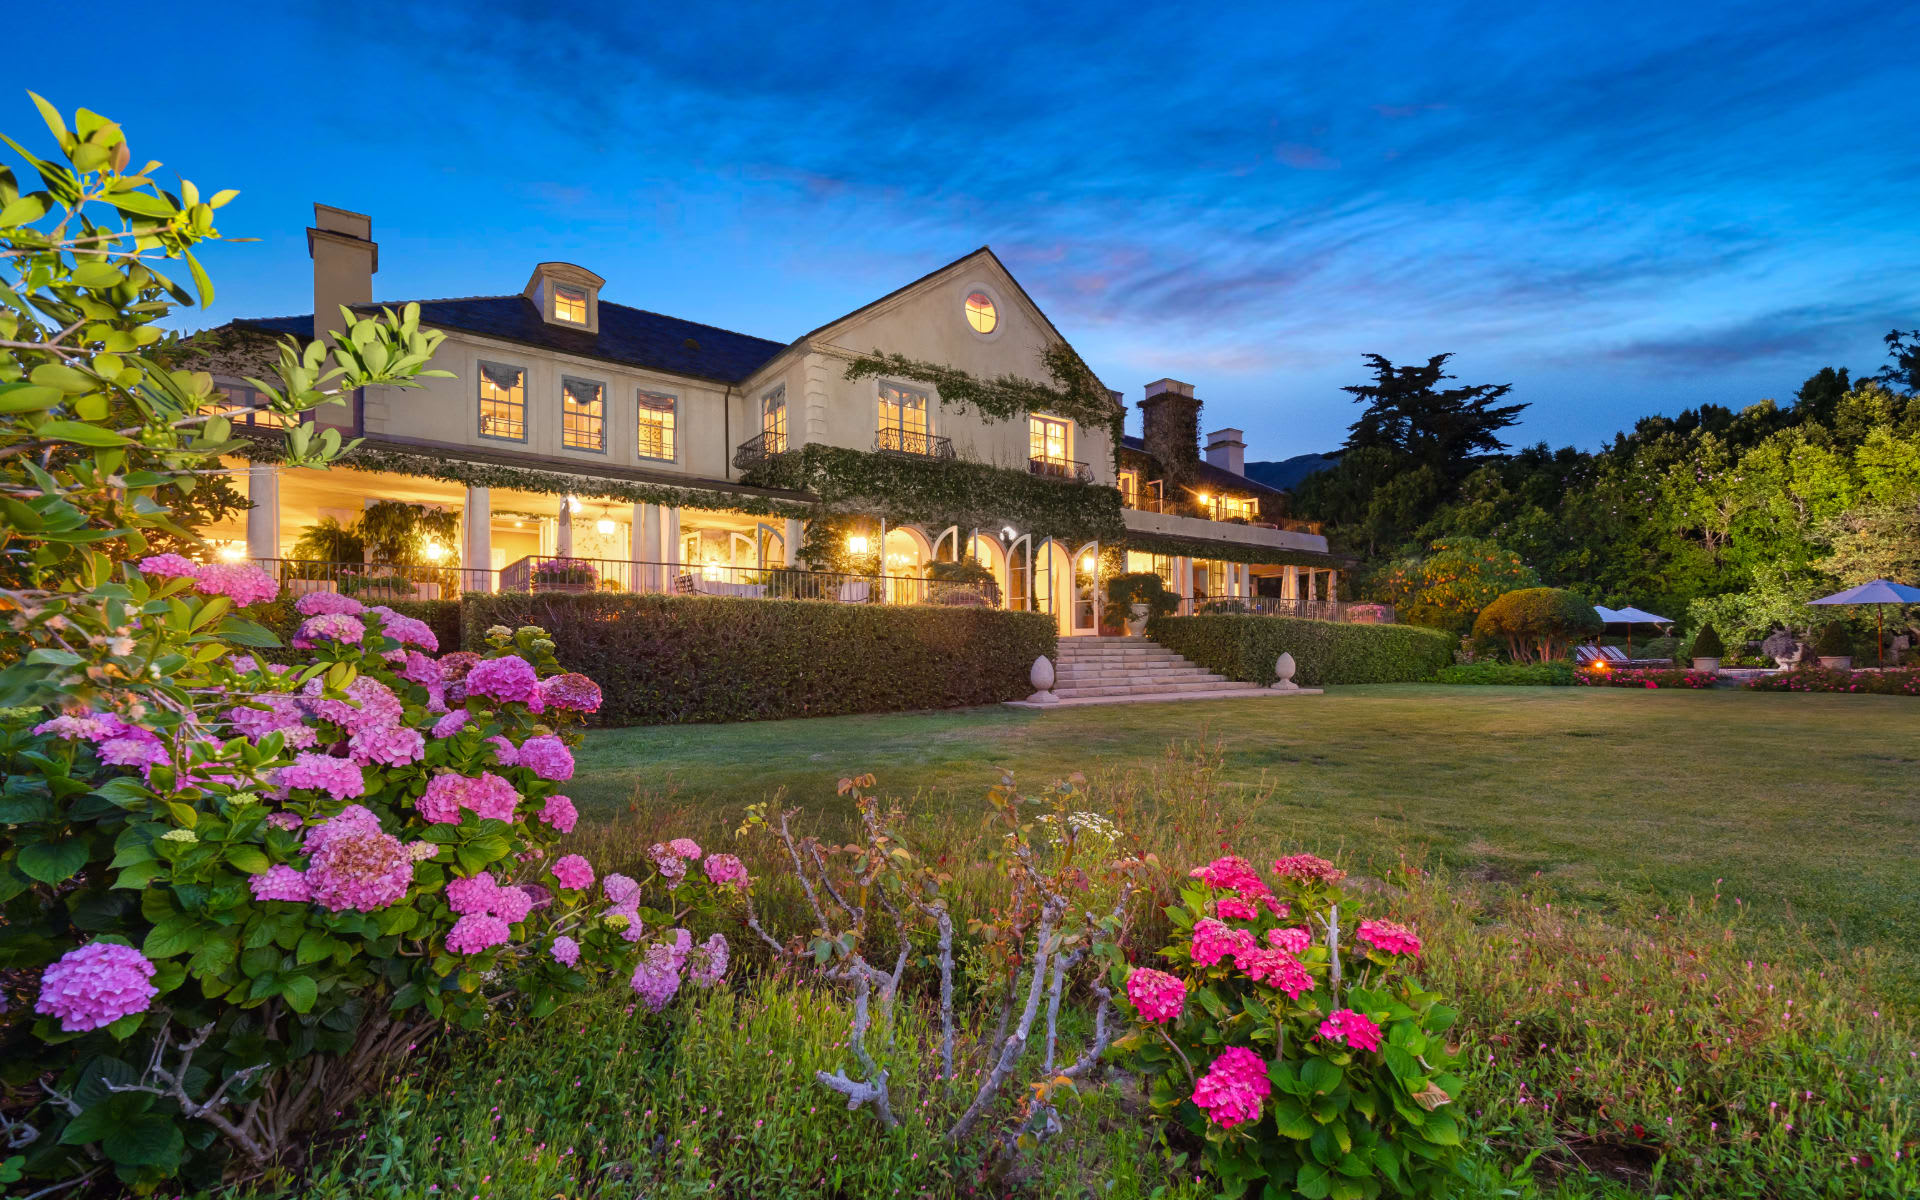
<point x="581" y="442"/>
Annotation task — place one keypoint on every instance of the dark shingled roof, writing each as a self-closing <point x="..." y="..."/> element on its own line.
<point x="631" y="336"/>
<point x="1205" y="472"/>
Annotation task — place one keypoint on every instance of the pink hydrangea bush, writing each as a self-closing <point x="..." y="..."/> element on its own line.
<point x="1276" y="1014"/>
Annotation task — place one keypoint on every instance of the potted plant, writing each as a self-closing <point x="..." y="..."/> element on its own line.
<point x="1707" y="650"/>
<point x="1834" y="647"/>
<point x="1134" y="597"/>
<point x="564" y="575"/>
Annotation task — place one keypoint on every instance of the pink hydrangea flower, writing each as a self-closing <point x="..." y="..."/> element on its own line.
<point x="488" y="795"/>
<point x="391" y="745"/>
<point x="450" y="724"/>
<point x="572" y="691"/>
<point x="338" y="777"/>
<point x="353" y="864"/>
<point x="548" y="757"/>
<point x="1157" y="996"/>
<point x="73" y="728"/>
<point x="1230" y="874"/>
<point x="655" y="979"/>
<point x="727" y="871"/>
<point x="559" y="812"/>
<point x="242" y="583"/>
<point x="619" y="889"/>
<point x="476" y="932"/>
<point x="94" y="985"/>
<point x="474" y="894"/>
<point x="512" y="904"/>
<point x="272" y="712"/>
<point x="421" y="670"/>
<point x="422" y="851"/>
<point x="574" y="872"/>
<point x="315" y="604"/>
<point x="505" y="751"/>
<point x="708" y="963"/>
<point x="408" y="631"/>
<point x="1293" y="940"/>
<point x="281" y="882"/>
<point x="1355" y="1029"/>
<point x="369" y="703"/>
<point x="1390" y="936"/>
<point x="509" y="679"/>
<point x="565" y="951"/>
<point x="137" y="748"/>
<point x="1233" y="908"/>
<point x="1234" y="1087"/>
<point x="284" y="820"/>
<point x="1213" y="940"/>
<point x="1308" y="868"/>
<point x="1275" y="968"/>
<point x="328" y="627"/>
<point x="170" y="566"/>
<point x="684" y="848"/>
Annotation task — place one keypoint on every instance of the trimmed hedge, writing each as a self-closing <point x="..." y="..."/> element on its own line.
<point x="441" y="616"/>
<point x="1499" y="674"/>
<point x="1245" y="647"/>
<point x="663" y="660"/>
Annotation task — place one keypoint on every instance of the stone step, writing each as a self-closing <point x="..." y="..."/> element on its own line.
<point x="1151" y="689"/>
<point x="1168" y="679"/>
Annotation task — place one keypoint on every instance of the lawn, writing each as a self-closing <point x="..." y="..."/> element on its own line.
<point x="1802" y="807"/>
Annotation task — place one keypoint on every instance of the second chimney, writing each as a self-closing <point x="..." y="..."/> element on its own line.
<point x="345" y="257"/>
<point x="1226" y="450"/>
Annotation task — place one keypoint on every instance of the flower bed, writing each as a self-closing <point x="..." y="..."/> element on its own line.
<point x="1901" y="682"/>
<point x="1649" y="678"/>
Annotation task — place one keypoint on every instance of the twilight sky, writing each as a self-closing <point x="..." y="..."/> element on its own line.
<point x="1620" y="208"/>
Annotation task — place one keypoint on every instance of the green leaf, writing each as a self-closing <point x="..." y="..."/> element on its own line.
<point x="83" y="434"/>
<point x="175" y="935"/>
<point x="248" y="858"/>
<point x="27" y="397"/>
<point x="1440" y="1018"/>
<point x="1314" y="1182"/>
<point x="1320" y="1075"/>
<point x="1292" y="1120"/>
<point x="140" y="204"/>
<point x="97" y="274"/>
<point x="53" y="862"/>
<point x="24" y="210"/>
<point x="149" y="1140"/>
<point x="1441" y="1130"/>
<point x="1404" y="1066"/>
<point x="300" y="991"/>
<point x="243" y="632"/>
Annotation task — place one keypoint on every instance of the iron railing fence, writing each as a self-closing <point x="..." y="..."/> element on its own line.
<point x="913" y="443"/>
<point x="1060" y="468"/>
<point x="1348" y="611"/>
<point x="757" y="450"/>
<point x="553" y="573"/>
<point x="374" y="583"/>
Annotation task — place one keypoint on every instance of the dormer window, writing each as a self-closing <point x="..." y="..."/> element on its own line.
<point x="566" y="295"/>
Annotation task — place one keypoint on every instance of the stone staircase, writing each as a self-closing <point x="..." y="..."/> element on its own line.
<point x="1111" y="668"/>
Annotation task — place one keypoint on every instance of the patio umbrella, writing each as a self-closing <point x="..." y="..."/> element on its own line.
<point x="1629" y="616"/>
<point x="1879" y="593"/>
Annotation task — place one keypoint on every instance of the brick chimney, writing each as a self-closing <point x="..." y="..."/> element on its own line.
<point x="1170" y="427"/>
<point x="1226" y="450"/>
<point x="345" y="256"/>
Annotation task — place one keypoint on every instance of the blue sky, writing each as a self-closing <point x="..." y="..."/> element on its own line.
<point x="1620" y="209"/>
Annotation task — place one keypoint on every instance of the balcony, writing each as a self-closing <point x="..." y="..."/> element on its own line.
<point x="1060" y="468"/>
<point x="912" y="443"/>
<point x="548" y="573"/>
<point x="759" y="451"/>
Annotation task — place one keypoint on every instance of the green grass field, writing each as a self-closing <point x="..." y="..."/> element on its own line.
<point x="1803" y="807"/>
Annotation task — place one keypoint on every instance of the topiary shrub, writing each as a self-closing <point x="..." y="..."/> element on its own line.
<point x="1246" y="647"/>
<point x="1706" y="643"/>
<point x="1538" y="624"/>
<point x="675" y="659"/>
<point x="1833" y="641"/>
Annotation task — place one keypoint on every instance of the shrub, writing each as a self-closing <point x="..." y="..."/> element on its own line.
<point x="1295" y="1040"/>
<point x="1138" y="587"/>
<point x="967" y="581"/>
<point x="1833" y="641"/>
<point x="1904" y="682"/>
<point x="1553" y="674"/>
<point x="1707" y="644"/>
<point x="1649" y="678"/>
<point x="1538" y="624"/>
<point x="1246" y="647"/>
<point x="677" y="659"/>
<point x="1453" y="582"/>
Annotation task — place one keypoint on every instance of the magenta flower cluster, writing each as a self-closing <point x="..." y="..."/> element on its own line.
<point x="1390" y="936"/>
<point x="1157" y="996"/>
<point x="239" y="582"/>
<point x="724" y="870"/>
<point x="509" y="679"/>
<point x="94" y="985"/>
<point x="490" y="796"/>
<point x="1351" y="1028"/>
<point x="353" y="864"/>
<point x="574" y="872"/>
<point x="559" y="812"/>
<point x="340" y="778"/>
<point x="548" y="757"/>
<point x="1234" y="1087"/>
<point x="1308" y="868"/>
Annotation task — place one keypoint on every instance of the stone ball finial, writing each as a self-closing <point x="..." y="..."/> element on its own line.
<point x="1283" y="669"/>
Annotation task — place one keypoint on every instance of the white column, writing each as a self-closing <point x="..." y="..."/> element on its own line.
<point x="563" y="529"/>
<point x="263" y="519"/>
<point x="670" y="543"/>
<point x="637" y="547"/>
<point x="1333" y="585"/>
<point x="650" y="551"/>
<point x="1183" y="582"/>
<point x="476" y="541"/>
<point x="792" y="541"/>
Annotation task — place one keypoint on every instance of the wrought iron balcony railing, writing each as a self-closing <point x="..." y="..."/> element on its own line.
<point x="1060" y="468"/>
<point x="755" y="451"/>
<point x="912" y="442"/>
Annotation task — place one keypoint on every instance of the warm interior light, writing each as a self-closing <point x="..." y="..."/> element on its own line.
<point x="435" y="551"/>
<point x="1086" y="562"/>
<point x="857" y="544"/>
<point x="1202" y="497"/>
<point x="1008" y="532"/>
<point x="233" y="551"/>
<point x="604" y="524"/>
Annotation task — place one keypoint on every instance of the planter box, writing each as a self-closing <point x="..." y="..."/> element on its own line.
<point x="1837" y="662"/>
<point x="1706" y="664"/>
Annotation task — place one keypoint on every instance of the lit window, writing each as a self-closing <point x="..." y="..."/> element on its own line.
<point x="1130" y="488"/>
<point x="503" y="402"/>
<point x="656" y="425"/>
<point x="1228" y="508"/>
<point x="1047" y="440"/>
<point x="981" y="314"/>
<point x="570" y="304"/>
<point x="903" y="419"/>
<point x="773" y="419"/>
<point x="583" y="423"/>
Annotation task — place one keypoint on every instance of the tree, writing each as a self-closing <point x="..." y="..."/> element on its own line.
<point x="1408" y="413"/>
<point x="1538" y="623"/>
<point x="1904" y="350"/>
<point x="1447" y="588"/>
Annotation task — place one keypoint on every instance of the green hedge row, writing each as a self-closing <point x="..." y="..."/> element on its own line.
<point x="1501" y="674"/>
<point x="673" y="659"/>
<point x="441" y="616"/>
<point x="1245" y="647"/>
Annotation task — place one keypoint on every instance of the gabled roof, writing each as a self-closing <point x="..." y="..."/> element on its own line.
<point x="631" y="336"/>
<point x="1218" y="478"/>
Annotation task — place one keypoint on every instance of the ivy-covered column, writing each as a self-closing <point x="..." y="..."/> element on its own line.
<point x="476" y="541"/>
<point x="263" y="519"/>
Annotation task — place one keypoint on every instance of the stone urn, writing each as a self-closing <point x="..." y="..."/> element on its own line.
<point x="1836" y="662"/>
<point x="1283" y="670"/>
<point x="1706" y="664"/>
<point x="1042" y="679"/>
<point x="1137" y="618"/>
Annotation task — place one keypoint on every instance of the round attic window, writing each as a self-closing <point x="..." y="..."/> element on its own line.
<point x="981" y="313"/>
